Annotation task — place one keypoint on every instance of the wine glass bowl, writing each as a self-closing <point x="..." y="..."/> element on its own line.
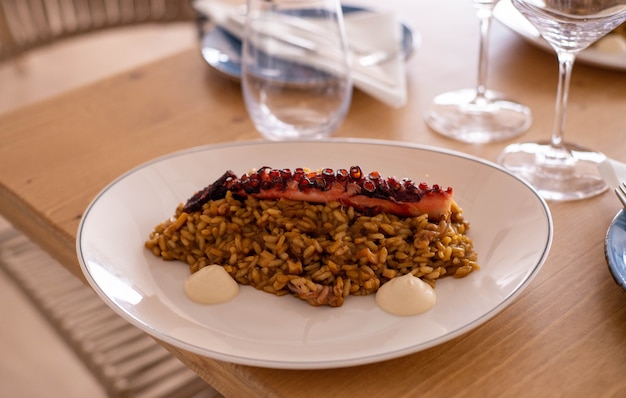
<point x="478" y="115"/>
<point x="561" y="170"/>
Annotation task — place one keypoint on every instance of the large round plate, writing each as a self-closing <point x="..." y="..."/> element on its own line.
<point x="506" y="13"/>
<point x="615" y="248"/>
<point x="222" y="50"/>
<point x="510" y="225"/>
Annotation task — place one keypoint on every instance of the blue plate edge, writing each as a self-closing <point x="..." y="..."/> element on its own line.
<point x="610" y="253"/>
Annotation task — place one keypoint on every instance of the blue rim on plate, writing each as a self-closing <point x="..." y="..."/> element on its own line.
<point x="222" y="50"/>
<point x="615" y="248"/>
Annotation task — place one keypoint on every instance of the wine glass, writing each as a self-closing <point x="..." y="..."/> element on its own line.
<point x="561" y="170"/>
<point x="478" y="115"/>
<point x="296" y="78"/>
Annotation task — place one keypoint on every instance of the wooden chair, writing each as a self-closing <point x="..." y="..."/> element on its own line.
<point x="26" y="24"/>
<point x="126" y="362"/>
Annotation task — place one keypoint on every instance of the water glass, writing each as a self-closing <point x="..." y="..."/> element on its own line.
<point x="295" y="68"/>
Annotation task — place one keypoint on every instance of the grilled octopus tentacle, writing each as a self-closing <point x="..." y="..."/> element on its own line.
<point x="369" y="194"/>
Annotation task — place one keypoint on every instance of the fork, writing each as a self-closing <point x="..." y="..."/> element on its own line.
<point x="620" y="191"/>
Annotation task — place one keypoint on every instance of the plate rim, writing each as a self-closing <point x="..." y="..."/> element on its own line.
<point x="317" y="364"/>
<point x="618" y="275"/>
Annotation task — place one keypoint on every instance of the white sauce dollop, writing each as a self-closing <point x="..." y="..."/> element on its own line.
<point x="406" y="295"/>
<point x="211" y="285"/>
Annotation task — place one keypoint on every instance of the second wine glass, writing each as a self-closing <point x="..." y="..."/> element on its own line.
<point x="561" y="170"/>
<point x="478" y="115"/>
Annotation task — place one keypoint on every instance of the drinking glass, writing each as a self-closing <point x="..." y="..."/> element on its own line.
<point x="561" y="170"/>
<point x="295" y="68"/>
<point x="478" y="115"/>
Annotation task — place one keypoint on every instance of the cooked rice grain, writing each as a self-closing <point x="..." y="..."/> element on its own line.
<point x="270" y="244"/>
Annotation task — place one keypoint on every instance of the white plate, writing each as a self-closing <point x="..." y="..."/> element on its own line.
<point x="222" y="50"/>
<point x="506" y="13"/>
<point x="510" y="224"/>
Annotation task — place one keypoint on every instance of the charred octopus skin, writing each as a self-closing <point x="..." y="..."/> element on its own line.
<point x="369" y="194"/>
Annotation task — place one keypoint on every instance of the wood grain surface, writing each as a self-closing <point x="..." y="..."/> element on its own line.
<point x="565" y="335"/>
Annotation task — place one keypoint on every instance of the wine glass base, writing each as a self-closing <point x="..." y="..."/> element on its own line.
<point x="577" y="178"/>
<point x="462" y="116"/>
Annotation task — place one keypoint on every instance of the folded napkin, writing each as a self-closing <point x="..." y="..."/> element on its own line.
<point x="366" y="31"/>
<point x="613" y="172"/>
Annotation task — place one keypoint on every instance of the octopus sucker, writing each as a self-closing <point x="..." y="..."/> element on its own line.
<point x="368" y="193"/>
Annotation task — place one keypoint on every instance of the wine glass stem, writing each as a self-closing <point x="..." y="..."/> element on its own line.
<point x="484" y="11"/>
<point x="566" y="64"/>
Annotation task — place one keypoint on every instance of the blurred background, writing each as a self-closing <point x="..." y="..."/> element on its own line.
<point x="36" y="360"/>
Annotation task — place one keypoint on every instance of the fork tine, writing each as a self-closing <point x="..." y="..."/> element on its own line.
<point x="620" y="191"/>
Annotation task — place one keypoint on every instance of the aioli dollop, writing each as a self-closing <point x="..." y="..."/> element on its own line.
<point x="211" y="285"/>
<point x="406" y="295"/>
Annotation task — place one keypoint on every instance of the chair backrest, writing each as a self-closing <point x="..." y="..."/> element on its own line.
<point x="26" y="24"/>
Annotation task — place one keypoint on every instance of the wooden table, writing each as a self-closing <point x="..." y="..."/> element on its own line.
<point x="564" y="336"/>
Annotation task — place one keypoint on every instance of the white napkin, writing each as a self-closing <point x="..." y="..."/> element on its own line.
<point x="366" y="31"/>
<point x="613" y="172"/>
